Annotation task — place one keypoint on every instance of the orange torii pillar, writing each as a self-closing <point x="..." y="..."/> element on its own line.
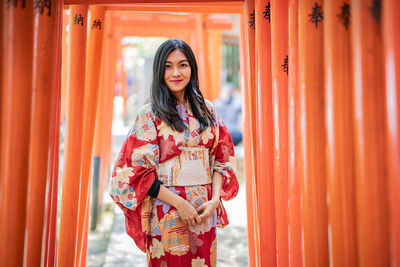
<point x="251" y="197"/>
<point x="93" y="67"/>
<point x="264" y="136"/>
<point x="339" y="134"/>
<point x="280" y="72"/>
<point x="104" y="112"/>
<point x="391" y="37"/>
<point x="45" y="79"/>
<point x="248" y="26"/>
<point x="108" y="117"/>
<point x="65" y="62"/>
<point x="294" y="144"/>
<point x="50" y="235"/>
<point x="370" y="135"/>
<point x="311" y="81"/>
<point x="1" y="66"/>
<point x="67" y="250"/>
<point x="16" y="123"/>
<point x="214" y="43"/>
<point x="203" y="56"/>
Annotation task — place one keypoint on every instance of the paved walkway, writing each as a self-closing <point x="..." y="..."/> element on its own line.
<point x="232" y="240"/>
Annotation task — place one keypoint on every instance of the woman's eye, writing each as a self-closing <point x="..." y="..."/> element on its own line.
<point x="167" y="66"/>
<point x="184" y="65"/>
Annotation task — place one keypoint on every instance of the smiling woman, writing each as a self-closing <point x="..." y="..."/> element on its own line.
<point x="175" y="166"/>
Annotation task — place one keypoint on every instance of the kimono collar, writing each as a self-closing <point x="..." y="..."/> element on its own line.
<point x="183" y="111"/>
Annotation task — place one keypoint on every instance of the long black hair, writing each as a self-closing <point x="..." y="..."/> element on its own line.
<point x="164" y="103"/>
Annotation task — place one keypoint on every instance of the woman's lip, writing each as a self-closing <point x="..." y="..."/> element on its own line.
<point x="176" y="81"/>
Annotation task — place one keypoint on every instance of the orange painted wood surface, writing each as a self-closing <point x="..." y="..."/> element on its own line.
<point x="50" y="235"/>
<point x="339" y="134"/>
<point x="102" y="138"/>
<point x="391" y="37"/>
<point x="280" y="58"/>
<point x="202" y="55"/>
<point x="16" y="121"/>
<point x="184" y="2"/>
<point x="369" y="124"/>
<point x="45" y="78"/>
<point x="311" y="81"/>
<point x="218" y="7"/>
<point x="107" y="82"/>
<point x="65" y="63"/>
<point x="92" y="79"/>
<point x="214" y="63"/>
<point x="249" y="30"/>
<point x="251" y="204"/>
<point x="294" y="144"/>
<point x="2" y="48"/>
<point x="264" y="135"/>
<point x="67" y="250"/>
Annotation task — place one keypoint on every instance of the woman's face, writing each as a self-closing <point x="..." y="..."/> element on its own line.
<point x="177" y="73"/>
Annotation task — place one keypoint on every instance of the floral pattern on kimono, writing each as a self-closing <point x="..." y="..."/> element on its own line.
<point x="154" y="225"/>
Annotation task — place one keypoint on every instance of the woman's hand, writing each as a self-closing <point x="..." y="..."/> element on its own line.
<point x="207" y="209"/>
<point x="188" y="213"/>
<point x="185" y="210"/>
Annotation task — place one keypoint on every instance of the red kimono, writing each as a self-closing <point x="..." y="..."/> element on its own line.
<point x="152" y="151"/>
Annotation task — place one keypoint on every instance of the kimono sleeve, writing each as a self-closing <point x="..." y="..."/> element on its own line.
<point x="134" y="172"/>
<point x="224" y="160"/>
<point x="136" y="166"/>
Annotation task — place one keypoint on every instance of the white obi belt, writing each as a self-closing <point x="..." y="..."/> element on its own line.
<point x="191" y="167"/>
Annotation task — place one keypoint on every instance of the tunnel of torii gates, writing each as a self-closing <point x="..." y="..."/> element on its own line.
<point x="321" y="105"/>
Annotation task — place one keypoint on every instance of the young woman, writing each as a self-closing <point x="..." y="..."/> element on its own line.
<point x="175" y="166"/>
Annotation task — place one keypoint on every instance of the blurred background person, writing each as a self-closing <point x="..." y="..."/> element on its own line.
<point x="229" y="108"/>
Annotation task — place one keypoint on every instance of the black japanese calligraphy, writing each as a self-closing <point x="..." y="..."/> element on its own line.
<point x="317" y="15"/>
<point x="78" y="19"/>
<point x="252" y="21"/>
<point x="96" y="24"/>
<point x="14" y="3"/>
<point x="40" y="5"/>
<point x="267" y="12"/>
<point x="285" y="65"/>
<point x="344" y="15"/>
<point x="376" y="10"/>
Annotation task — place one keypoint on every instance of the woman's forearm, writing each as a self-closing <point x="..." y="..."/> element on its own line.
<point x="216" y="185"/>
<point x="169" y="197"/>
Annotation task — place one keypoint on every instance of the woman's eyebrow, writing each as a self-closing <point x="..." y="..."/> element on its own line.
<point x="183" y="60"/>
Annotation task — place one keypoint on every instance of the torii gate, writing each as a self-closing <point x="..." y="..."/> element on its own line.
<point x="321" y="128"/>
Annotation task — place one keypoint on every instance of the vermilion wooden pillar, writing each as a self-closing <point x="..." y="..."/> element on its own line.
<point x="391" y="37"/>
<point x="311" y="82"/>
<point x="214" y="62"/>
<point x="264" y="136"/>
<point x="339" y="134"/>
<point x="294" y="174"/>
<point x="280" y="73"/>
<point x="45" y="78"/>
<point x="16" y="121"/>
<point x="369" y="121"/>
<point x="251" y="198"/>
<point x="2" y="47"/>
<point x="106" y="94"/>
<point x="67" y="250"/>
<point x="50" y="235"/>
<point x="65" y="62"/>
<point x="93" y="64"/>
<point x="203" y="57"/>
<point x="249" y="36"/>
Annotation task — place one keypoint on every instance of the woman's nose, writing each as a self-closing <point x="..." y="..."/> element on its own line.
<point x="176" y="72"/>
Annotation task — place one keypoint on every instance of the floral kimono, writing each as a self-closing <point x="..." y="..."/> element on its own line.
<point x="152" y="151"/>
